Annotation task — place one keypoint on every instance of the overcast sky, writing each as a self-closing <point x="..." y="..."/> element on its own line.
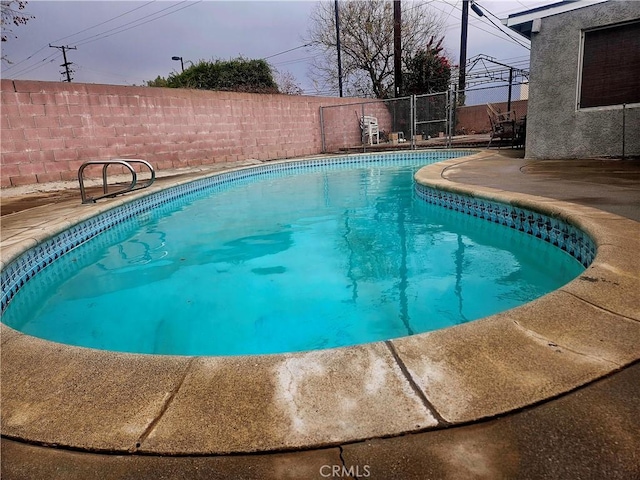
<point x="130" y="42"/>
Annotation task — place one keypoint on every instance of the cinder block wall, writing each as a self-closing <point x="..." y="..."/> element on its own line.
<point x="342" y="123"/>
<point x="474" y="119"/>
<point x="49" y="129"/>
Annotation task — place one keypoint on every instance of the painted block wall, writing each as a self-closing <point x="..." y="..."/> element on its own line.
<point x="342" y="122"/>
<point x="474" y="118"/>
<point x="556" y="128"/>
<point x="48" y="129"/>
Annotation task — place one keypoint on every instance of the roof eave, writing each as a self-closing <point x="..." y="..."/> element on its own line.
<point x="522" y="22"/>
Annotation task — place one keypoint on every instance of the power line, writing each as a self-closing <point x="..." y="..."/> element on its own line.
<point x="475" y="25"/>
<point x="499" y="28"/>
<point x="296" y="60"/>
<point x="453" y="8"/>
<point x="30" y="68"/>
<point x="77" y="33"/>
<point x="106" y="21"/>
<point x="513" y="39"/>
<point x="520" y="57"/>
<point x="100" y="36"/>
<point x="14" y="65"/>
<point x="102" y="72"/>
<point x="287" y="51"/>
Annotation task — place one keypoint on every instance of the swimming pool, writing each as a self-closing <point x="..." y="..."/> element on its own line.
<point x="285" y="257"/>
<point x="102" y="401"/>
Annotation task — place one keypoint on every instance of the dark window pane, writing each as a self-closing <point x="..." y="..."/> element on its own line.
<point x="611" y="66"/>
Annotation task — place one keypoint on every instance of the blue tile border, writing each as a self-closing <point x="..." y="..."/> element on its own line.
<point x="567" y="237"/>
<point x="552" y="230"/>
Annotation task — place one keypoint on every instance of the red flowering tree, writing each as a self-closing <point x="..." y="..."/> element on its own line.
<point x="427" y="71"/>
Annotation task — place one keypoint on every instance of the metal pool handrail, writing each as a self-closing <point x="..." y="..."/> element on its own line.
<point x="105" y="187"/>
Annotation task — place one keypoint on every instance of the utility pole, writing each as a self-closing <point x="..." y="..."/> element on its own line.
<point x="397" y="46"/>
<point x="463" y="51"/>
<point x="338" y="46"/>
<point x="66" y="63"/>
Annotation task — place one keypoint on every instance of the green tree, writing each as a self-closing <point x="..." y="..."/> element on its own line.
<point x="158" y="82"/>
<point x="237" y="75"/>
<point x="427" y="71"/>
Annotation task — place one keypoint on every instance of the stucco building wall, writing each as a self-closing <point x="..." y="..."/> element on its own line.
<point x="556" y="128"/>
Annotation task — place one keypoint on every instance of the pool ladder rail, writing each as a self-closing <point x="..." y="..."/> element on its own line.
<point x="105" y="187"/>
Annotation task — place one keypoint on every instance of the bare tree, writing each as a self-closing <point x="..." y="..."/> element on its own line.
<point x="287" y="83"/>
<point x="12" y="15"/>
<point x="366" y="37"/>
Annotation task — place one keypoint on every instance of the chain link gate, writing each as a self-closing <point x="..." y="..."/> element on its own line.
<point x="434" y="114"/>
<point x="401" y="122"/>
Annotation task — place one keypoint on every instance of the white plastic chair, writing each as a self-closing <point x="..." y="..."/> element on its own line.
<point x="369" y="126"/>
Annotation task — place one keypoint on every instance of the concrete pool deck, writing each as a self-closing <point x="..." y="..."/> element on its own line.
<point x="520" y="394"/>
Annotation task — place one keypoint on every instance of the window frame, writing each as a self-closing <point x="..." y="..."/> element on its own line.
<point x="580" y="73"/>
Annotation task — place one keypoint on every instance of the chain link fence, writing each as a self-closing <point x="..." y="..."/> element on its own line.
<point x="433" y="116"/>
<point x="471" y="112"/>
<point x="401" y="123"/>
<point x="343" y="126"/>
<point x="446" y="119"/>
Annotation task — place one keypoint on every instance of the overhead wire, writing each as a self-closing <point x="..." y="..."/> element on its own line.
<point x="13" y="65"/>
<point x="295" y="60"/>
<point x="519" y="57"/>
<point x="287" y="51"/>
<point x="115" y="30"/>
<point x="104" y="22"/>
<point x="475" y="25"/>
<point x="102" y="35"/>
<point x="453" y="7"/>
<point x="102" y="72"/>
<point x="499" y="28"/>
<point x="41" y="63"/>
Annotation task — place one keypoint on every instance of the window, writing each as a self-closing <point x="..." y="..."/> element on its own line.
<point x="611" y="66"/>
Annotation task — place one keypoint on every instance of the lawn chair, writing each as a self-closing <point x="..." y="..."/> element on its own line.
<point x="369" y="127"/>
<point x="503" y="124"/>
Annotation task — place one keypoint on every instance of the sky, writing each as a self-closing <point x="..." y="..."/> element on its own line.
<point x="130" y="42"/>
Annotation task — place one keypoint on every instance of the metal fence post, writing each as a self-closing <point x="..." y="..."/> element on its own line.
<point x="412" y="115"/>
<point x="624" y="121"/>
<point x="454" y="107"/>
<point x="322" y="134"/>
<point x="451" y="106"/>
<point x="361" y="120"/>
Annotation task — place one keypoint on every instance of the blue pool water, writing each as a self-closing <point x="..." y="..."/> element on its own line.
<point x="286" y="263"/>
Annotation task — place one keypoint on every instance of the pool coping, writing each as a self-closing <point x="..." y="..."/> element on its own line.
<point x="85" y="399"/>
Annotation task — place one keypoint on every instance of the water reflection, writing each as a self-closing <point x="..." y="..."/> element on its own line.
<point x="252" y="247"/>
<point x="460" y="263"/>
